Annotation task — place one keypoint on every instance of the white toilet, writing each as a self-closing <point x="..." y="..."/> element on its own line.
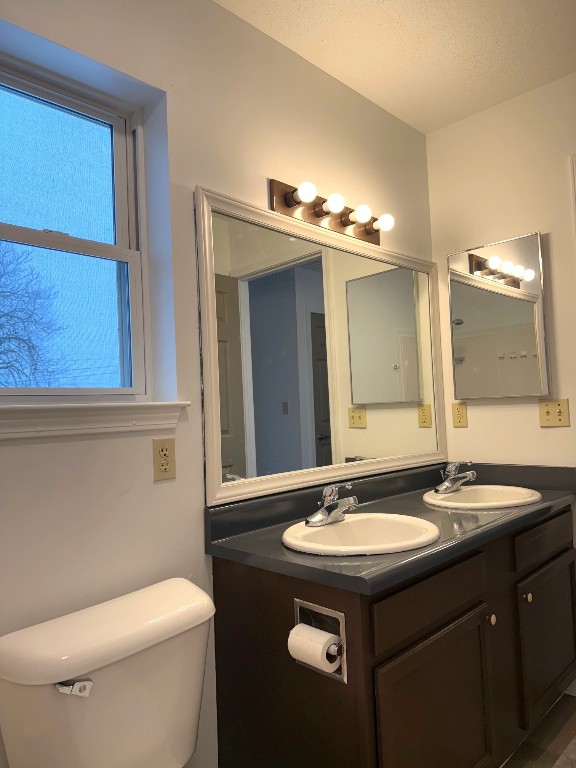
<point x="117" y="685"/>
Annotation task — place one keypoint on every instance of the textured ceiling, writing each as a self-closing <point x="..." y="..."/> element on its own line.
<point x="429" y="62"/>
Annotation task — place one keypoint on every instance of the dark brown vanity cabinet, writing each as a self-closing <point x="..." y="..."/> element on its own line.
<point x="434" y="700"/>
<point x="448" y="670"/>
<point x="434" y="691"/>
<point x="546" y="601"/>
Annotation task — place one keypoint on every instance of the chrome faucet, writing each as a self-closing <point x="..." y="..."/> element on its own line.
<point x="331" y="507"/>
<point x="452" y="479"/>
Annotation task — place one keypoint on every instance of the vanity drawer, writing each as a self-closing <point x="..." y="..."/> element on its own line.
<point x="542" y="542"/>
<point x="410" y="614"/>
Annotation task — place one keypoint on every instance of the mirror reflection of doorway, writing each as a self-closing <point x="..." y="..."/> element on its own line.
<point x="273" y="378"/>
<point x="322" y="430"/>
<point x="281" y="305"/>
<point x="233" y="444"/>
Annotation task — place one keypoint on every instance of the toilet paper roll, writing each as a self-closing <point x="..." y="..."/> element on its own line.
<point x="310" y="645"/>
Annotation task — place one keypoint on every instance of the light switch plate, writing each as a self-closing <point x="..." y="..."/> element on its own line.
<point x="554" y="413"/>
<point x="164" y="458"/>
<point x="357" y="417"/>
<point x="424" y="415"/>
<point x="460" y="415"/>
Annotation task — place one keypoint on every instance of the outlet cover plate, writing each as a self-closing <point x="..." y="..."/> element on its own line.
<point x="460" y="415"/>
<point x="425" y="415"/>
<point x="357" y="417"/>
<point x="554" y="413"/>
<point x="164" y="458"/>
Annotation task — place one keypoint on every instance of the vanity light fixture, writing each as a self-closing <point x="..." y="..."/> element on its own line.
<point x="304" y="203"/>
<point x="492" y="268"/>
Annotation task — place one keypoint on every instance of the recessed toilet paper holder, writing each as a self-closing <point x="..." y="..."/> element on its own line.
<point x="327" y="620"/>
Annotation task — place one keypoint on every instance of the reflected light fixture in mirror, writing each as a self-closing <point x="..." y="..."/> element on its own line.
<point x="302" y="202"/>
<point x="493" y="268"/>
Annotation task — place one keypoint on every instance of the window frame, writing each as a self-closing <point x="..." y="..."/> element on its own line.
<point x="127" y="193"/>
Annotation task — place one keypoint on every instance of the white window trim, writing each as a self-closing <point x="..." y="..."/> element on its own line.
<point x="126" y="195"/>
<point x="69" y="419"/>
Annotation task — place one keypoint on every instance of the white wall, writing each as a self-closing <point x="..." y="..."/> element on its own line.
<point x="497" y="174"/>
<point x="80" y="519"/>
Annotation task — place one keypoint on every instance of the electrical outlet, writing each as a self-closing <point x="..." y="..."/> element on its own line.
<point x="460" y="414"/>
<point x="554" y="413"/>
<point x="424" y="415"/>
<point x="357" y="417"/>
<point x="164" y="458"/>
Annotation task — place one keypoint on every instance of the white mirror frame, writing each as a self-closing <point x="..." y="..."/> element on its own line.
<point x="207" y="203"/>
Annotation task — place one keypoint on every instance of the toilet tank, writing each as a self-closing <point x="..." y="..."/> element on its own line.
<point x="144" y="654"/>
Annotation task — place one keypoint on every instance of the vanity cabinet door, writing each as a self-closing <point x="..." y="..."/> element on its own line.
<point x="433" y="701"/>
<point x="547" y="634"/>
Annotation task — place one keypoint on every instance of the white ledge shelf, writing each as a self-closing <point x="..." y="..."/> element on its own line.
<point x="52" y="420"/>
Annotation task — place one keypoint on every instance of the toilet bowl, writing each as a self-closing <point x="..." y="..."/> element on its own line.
<point x="116" y="685"/>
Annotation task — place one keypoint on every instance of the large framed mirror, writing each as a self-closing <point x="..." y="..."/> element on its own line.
<point x="299" y="325"/>
<point x="498" y="320"/>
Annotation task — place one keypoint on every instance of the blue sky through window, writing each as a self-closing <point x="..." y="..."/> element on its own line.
<point x="56" y="170"/>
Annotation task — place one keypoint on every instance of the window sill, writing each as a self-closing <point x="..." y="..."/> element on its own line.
<point x="24" y="421"/>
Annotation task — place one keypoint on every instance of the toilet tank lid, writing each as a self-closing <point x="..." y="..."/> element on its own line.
<point x="80" y="642"/>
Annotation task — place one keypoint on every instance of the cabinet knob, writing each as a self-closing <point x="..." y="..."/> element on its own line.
<point x="528" y="597"/>
<point x="492" y="619"/>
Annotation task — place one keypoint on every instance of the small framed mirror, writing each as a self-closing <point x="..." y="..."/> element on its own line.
<point x="498" y="320"/>
<point x="297" y="325"/>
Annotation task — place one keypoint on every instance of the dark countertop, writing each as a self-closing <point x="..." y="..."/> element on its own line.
<point x="460" y="532"/>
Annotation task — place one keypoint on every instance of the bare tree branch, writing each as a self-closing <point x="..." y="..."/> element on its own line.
<point x="27" y="323"/>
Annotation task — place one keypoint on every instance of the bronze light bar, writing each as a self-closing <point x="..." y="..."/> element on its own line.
<point x="285" y="199"/>
<point x="477" y="265"/>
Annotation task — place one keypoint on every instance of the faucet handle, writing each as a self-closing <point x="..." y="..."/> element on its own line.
<point x="330" y="493"/>
<point x="452" y="468"/>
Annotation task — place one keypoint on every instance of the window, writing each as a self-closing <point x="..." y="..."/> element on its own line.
<point x="70" y="272"/>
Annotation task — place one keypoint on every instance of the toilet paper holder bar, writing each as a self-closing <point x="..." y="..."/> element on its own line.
<point x="329" y="620"/>
<point x="335" y="650"/>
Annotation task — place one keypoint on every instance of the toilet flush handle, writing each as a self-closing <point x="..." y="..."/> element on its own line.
<point x="75" y="687"/>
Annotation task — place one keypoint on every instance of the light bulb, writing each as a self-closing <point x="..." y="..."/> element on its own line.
<point x="529" y="274"/>
<point x="519" y="271"/>
<point x="508" y="268"/>
<point x="306" y="192"/>
<point x="494" y="262"/>
<point x="335" y="203"/>
<point x="384" y="222"/>
<point x="303" y="193"/>
<point x="362" y="214"/>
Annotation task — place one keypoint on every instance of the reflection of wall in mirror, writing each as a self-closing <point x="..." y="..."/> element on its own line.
<point x="274" y="342"/>
<point x="280" y="306"/>
<point x="242" y="249"/>
<point x="494" y="344"/>
<point x="392" y="430"/>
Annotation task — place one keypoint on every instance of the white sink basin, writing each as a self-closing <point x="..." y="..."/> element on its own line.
<point x="478" y="497"/>
<point x="362" y="534"/>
